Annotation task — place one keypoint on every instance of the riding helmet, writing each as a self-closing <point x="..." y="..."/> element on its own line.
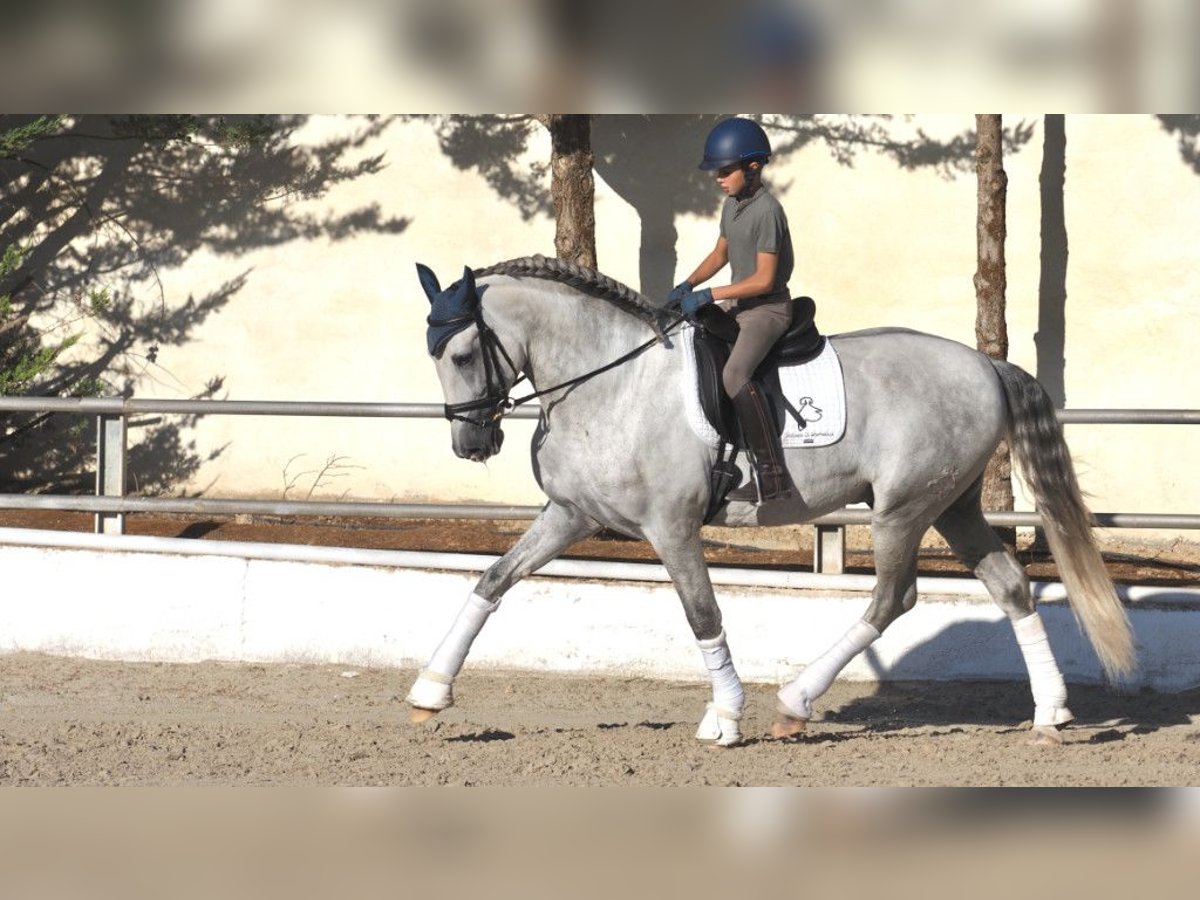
<point x="735" y="141"/>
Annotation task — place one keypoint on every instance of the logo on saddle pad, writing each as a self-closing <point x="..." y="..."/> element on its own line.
<point x="807" y="412"/>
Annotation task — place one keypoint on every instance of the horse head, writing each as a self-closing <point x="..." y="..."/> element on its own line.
<point x="473" y="367"/>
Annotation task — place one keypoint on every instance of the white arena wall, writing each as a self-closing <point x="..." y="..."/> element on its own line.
<point x="173" y="600"/>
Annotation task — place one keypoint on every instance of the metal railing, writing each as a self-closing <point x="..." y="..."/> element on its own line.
<point x="110" y="504"/>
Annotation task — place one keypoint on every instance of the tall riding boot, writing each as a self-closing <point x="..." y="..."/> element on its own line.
<point x="766" y="454"/>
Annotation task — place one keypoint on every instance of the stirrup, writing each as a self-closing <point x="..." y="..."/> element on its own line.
<point x="752" y="492"/>
<point x="747" y="493"/>
<point x="784" y="489"/>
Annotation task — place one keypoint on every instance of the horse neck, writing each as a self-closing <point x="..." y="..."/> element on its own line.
<point x="561" y="332"/>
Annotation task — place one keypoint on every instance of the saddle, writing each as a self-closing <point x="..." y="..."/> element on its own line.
<point x="713" y="339"/>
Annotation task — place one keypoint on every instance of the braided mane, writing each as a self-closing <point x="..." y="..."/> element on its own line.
<point x="589" y="281"/>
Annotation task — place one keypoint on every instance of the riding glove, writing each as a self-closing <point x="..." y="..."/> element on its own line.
<point x="678" y="292"/>
<point x="695" y="300"/>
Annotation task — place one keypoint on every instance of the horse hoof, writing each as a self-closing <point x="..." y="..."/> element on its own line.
<point x="728" y="738"/>
<point x="717" y="730"/>
<point x="1046" y="736"/>
<point x="787" y="726"/>
<point x="418" y="716"/>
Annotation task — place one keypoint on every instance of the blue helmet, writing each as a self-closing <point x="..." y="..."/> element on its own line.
<point x="735" y="141"/>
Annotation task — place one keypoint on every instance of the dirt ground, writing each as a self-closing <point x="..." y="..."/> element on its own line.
<point x="77" y="722"/>
<point x="71" y="721"/>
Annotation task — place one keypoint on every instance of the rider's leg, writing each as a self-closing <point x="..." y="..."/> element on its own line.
<point x="761" y="326"/>
<point x="771" y="480"/>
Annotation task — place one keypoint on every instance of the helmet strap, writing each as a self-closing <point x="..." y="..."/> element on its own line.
<point x="753" y="180"/>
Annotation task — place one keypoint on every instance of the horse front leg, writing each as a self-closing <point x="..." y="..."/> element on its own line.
<point x="683" y="558"/>
<point x="552" y="532"/>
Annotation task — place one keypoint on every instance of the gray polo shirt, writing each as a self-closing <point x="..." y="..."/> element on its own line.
<point x="753" y="226"/>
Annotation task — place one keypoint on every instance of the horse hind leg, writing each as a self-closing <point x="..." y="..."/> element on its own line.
<point x="979" y="548"/>
<point x="895" y="593"/>
<point x="552" y="532"/>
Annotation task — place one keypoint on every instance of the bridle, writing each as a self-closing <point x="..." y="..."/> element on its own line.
<point x="496" y="399"/>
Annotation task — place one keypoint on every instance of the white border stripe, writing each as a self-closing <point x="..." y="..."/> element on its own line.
<point x="175" y="600"/>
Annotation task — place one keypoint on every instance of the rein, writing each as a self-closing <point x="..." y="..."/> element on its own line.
<point x="498" y="401"/>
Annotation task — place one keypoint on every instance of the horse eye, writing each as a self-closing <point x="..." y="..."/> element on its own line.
<point x="462" y="360"/>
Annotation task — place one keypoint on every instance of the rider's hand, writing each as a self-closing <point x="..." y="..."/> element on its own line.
<point x="695" y="300"/>
<point x="677" y="294"/>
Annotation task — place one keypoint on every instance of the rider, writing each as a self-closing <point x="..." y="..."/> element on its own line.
<point x="756" y="243"/>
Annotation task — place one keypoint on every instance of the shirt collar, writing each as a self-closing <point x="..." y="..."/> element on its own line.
<point x="742" y="204"/>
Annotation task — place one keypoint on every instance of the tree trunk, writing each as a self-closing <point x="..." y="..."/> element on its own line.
<point x="572" y="187"/>
<point x="991" y="329"/>
<point x="1050" y="338"/>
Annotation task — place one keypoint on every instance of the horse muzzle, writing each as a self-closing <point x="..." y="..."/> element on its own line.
<point x="476" y="442"/>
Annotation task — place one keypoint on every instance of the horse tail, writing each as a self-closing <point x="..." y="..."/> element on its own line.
<point x="1037" y="442"/>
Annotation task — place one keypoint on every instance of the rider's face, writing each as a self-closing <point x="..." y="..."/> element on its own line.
<point x="732" y="179"/>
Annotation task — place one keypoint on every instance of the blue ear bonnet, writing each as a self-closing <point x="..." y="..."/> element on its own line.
<point x="451" y="311"/>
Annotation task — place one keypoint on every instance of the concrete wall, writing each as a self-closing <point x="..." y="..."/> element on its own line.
<point x="275" y="603"/>
<point x="876" y="243"/>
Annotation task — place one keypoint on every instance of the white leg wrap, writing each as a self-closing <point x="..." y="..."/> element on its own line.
<point x="720" y="722"/>
<point x="433" y="688"/>
<point x="430" y="692"/>
<point x="1046" y="681"/>
<point x="796" y="697"/>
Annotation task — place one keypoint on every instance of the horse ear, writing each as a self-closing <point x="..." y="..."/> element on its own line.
<point x="429" y="281"/>
<point x="468" y="280"/>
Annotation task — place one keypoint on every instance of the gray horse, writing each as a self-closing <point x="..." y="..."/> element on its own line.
<point x="613" y="450"/>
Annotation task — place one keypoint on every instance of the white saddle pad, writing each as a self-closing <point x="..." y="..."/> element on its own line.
<point x="815" y="395"/>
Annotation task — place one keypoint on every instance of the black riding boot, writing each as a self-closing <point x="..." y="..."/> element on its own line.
<point x="770" y="474"/>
